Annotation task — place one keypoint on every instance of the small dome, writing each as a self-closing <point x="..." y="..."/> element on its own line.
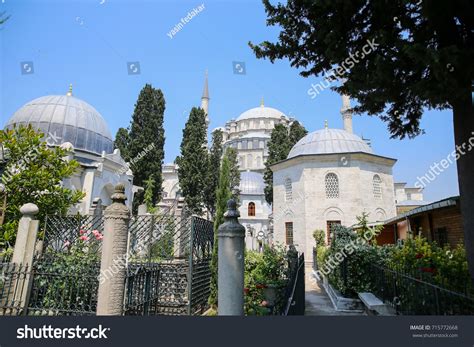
<point x="262" y="112"/>
<point x="328" y="141"/>
<point x="65" y="118"/>
<point x="251" y="183"/>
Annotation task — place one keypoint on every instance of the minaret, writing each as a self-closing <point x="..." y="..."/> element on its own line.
<point x="205" y="99"/>
<point x="69" y="93"/>
<point x="346" y="112"/>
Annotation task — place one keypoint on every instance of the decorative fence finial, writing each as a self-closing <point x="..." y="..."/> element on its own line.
<point x="119" y="194"/>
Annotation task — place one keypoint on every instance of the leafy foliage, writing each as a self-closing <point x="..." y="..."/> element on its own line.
<point x="146" y="128"/>
<point x="263" y="270"/>
<point x="223" y="195"/>
<point x="396" y="58"/>
<point x="34" y="174"/>
<point x="122" y="141"/>
<point x="215" y="157"/>
<point x="281" y="141"/>
<point x="193" y="161"/>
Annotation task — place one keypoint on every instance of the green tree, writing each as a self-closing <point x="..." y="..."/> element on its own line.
<point x="401" y="57"/>
<point x="148" y="195"/>
<point x="281" y="141"/>
<point x="296" y="133"/>
<point x="147" y="134"/>
<point x="224" y="193"/>
<point x="122" y="141"/>
<point x="193" y="161"/>
<point x="215" y="158"/>
<point x="234" y="173"/>
<point x="34" y="173"/>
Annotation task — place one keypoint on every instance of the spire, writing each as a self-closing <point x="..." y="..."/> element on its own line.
<point x="326" y="124"/>
<point x="346" y="112"/>
<point x="205" y="91"/>
<point x="69" y="93"/>
<point x="262" y="103"/>
<point x="205" y="99"/>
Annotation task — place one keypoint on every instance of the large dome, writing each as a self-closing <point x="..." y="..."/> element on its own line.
<point x="66" y="119"/>
<point x="251" y="183"/>
<point x="328" y="141"/>
<point x="262" y="112"/>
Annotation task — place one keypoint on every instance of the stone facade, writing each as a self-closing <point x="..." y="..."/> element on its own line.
<point x="300" y="194"/>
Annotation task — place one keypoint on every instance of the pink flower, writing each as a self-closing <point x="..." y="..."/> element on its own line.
<point x="95" y="232"/>
<point x="99" y="236"/>
<point x="67" y="244"/>
<point x="264" y="303"/>
<point x="82" y="232"/>
<point x="84" y="238"/>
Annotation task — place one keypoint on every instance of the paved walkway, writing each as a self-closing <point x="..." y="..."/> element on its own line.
<point x="317" y="301"/>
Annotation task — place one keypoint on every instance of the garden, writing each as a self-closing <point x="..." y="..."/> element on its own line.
<point x="415" y="277"/>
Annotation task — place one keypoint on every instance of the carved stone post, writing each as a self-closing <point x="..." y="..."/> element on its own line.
<point x="22" y="260"/>
<point x="114" y="252"/>
<point x="231" y="235"/>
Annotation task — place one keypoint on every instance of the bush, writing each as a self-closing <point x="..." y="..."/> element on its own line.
<point x="352" y="273"/>
<point x="263" y="270"/>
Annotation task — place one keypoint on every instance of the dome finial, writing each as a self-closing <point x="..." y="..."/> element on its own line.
<point x="326" y="124"/>
<point x="262" y="104"/>
<point x="69" y="93"/>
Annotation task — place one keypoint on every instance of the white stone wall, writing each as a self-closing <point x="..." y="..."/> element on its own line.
<point x="310" y="209"/>
<point x="259" y="222"/>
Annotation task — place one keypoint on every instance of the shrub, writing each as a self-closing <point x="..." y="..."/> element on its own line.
<point x="263" y="270"/>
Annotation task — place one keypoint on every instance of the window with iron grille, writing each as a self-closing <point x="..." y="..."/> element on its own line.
<point x="251" y="209"/>
<point x="332" y="186"/>
<point x="288" y="190"/>
<point x="289" y="233"/>
<point x="377" y="185"/>
<point x="330" y="226"/>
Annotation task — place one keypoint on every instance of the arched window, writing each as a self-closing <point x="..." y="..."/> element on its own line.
<point x="259" y="162"/>
<point x="377" y="186"/>
<point x="251" y="209"/>
<point x="332" y="186"/>
<point x="288" y="190"/>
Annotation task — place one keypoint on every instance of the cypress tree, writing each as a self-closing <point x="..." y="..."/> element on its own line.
<point x="297" y="132"/>
<point x="193" y="161"/>
<point x="213" y="175"/>
<point x="234" y="173"/>
<point x="122" y="140"/>
<point x="147" y="133"/>
<point x="281" y="141"/>
<point x="224" y="193"/>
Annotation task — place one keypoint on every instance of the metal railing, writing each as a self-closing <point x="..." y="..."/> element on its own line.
<point x="412" y="296"/>
<point x="295" y="290"/>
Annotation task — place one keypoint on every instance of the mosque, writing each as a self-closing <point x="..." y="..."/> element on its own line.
<point x="74" y="124"/>
<point x="330" y="176"/>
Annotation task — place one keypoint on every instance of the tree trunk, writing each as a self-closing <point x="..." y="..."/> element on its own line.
<point x="463" y="118"/>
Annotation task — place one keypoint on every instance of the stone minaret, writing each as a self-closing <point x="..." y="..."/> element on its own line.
<point x="205" y="100"/>
<point x="346" y="113"/>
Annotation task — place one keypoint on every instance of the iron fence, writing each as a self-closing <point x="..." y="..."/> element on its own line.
<point x="412" y="296"/>
<point x="295" y="290"/>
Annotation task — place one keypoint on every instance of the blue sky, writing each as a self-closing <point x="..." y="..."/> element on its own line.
<point x="89" y="42"/>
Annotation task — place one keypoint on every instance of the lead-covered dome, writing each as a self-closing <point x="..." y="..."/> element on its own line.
<point x="251" y="183"/>
<point x="66" y="118"/>
<point x="262" y="112"/>
<point x="328" y="141"/>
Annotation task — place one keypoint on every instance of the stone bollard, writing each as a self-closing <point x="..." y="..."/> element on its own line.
<point x="113" y="268"/>
<point x="22" y="260"/>
<point x="230" y="281"/>
<point x="26" y="236"/>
